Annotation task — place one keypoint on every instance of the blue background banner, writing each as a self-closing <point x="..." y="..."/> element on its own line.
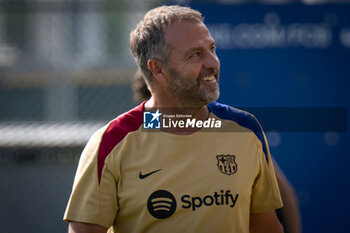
<point x="294" y="55"/>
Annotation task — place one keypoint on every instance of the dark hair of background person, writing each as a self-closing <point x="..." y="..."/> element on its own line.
<point x="139" y="88"/>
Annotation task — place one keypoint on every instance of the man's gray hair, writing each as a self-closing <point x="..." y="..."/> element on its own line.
<point x="147" y="40"/>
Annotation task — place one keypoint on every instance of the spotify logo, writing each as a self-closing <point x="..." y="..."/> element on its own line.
<point x="161" y="204"/>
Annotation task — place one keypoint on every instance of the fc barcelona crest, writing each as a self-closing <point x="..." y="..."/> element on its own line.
<point x="227" y="164"/>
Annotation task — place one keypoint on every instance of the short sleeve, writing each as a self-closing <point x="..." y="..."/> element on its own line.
<point x="93" y="200"/>
<point x="265" y="192"/>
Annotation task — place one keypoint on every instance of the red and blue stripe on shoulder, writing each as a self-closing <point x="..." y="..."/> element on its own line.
<point x="242" y="118"/>
<point x="116" y="131"/>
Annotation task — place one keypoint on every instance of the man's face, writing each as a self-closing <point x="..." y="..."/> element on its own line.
<point x="193" y="67"/>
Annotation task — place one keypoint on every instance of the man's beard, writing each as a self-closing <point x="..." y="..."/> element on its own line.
<point x="190" y="92"/>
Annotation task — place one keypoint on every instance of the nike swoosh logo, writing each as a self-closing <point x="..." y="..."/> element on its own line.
<point x="143" y="176"/>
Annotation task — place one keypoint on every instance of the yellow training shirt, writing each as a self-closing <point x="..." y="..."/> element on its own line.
<point x="134" y="180"/>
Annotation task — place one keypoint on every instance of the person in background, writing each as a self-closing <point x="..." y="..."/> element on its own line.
<point x="139" y="88"/>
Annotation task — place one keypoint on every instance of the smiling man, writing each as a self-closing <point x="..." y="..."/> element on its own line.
<point x="184" y="179"/>
<point x="192" y="65"/>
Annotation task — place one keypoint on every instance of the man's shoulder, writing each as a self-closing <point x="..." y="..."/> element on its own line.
<point x="125" y="123"/>
<point x="116" y="131"/>
<point x="243" y="118"/>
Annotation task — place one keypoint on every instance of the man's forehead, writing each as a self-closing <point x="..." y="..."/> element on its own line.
<point x="187" y="33"/>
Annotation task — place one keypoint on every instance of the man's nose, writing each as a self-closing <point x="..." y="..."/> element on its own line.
<point x="211" y="61"/>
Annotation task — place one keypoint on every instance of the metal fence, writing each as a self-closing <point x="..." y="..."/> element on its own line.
<point x="65" y="71"/>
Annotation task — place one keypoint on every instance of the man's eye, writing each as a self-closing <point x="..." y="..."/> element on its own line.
<point x="213" y="49"/>
<point x="195" y="54"/>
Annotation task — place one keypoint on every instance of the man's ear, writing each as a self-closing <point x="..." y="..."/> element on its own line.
<point x="156" y="68"/>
